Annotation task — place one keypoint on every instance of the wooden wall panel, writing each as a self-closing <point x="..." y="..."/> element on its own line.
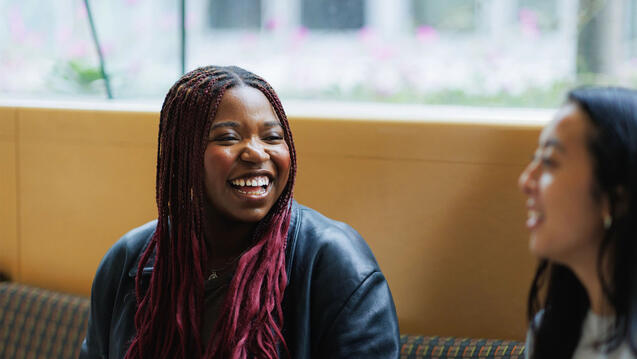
<point x="86" y="179"/>
<point x="9" y="245"/>
<point x="437" y="202"/>
<point x="440" y="208"/>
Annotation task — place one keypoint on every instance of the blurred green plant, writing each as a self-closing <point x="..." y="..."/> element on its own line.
<point x="76" y="76"/>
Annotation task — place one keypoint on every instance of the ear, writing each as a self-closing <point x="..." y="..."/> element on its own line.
<point x="607" y="215"/>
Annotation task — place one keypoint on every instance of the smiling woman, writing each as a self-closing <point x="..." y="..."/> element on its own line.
<point x="582" y="205"/>
<point x="233" y="267"/>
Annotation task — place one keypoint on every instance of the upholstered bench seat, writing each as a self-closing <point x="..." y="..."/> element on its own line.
<point x="43" y="324"/>
<point x="38" y="323"/>
<point x="418" y="347"/>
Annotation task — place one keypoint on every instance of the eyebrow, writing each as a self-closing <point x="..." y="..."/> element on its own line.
<point x="235" y="124"/>
<point x="224" y="124"/>
<point x="553" y="142"/>
<point x="272" y="124"/>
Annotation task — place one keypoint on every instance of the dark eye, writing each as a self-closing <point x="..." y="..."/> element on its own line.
<point x="548" y="162"/>
<point x="225" y="138"/>
<point x="273" y="138"/>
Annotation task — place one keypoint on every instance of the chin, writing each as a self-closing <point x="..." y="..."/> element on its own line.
<point x="250" y="216"/>
<point x="535" y="246"/>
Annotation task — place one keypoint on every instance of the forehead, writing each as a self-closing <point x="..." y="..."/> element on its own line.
<point x="238" y="102"/>
<point x="570" y="127"/>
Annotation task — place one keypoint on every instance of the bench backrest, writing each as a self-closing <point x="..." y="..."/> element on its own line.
<point x="39" y="323"/>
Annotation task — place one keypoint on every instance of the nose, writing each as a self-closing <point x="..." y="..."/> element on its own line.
<point x="254" y="152"/>
<point x="528" y="181"/>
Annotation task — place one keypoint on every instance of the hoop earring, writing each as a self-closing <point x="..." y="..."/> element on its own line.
<point x="608" y="221"/>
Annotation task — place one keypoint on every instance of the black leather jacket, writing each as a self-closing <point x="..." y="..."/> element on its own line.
<point x="337" y="303"/>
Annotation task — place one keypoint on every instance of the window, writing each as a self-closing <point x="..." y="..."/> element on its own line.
<point x="449" y="15"/>
<point x="462" y="52"/>
<point x="235" y="14"/>
<point x="332" y="14"/>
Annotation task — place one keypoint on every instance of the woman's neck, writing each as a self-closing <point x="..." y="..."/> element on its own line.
<point x="225" y="239"/>
<point x="586" y="271"/>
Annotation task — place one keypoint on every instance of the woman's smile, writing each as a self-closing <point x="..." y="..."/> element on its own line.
<point x="252" y="187"/>
<point x="535" y="216"/>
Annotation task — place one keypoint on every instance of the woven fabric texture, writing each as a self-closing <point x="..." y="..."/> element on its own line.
<point x="417" y="347"/>
<point x="37" y="323"/>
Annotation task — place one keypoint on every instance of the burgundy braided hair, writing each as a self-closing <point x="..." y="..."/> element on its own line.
<point x="170" y="311"/>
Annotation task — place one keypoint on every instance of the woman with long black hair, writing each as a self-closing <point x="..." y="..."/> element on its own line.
<point x="582" y="214"/>
<point x="233" y="267"/>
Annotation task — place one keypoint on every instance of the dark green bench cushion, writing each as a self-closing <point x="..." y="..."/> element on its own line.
<point x="38" y="323"/>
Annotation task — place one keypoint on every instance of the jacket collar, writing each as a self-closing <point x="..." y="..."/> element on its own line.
<point x="293" y="230"/>
<point x="148" y="268"/>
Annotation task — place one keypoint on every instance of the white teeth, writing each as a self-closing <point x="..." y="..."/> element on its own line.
<point x="252" y="182"/>
<point x="533" y="217"/>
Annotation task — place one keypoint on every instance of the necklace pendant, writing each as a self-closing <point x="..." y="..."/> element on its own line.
<point x="213" y="275"/>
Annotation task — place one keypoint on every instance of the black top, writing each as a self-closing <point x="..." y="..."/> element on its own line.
<point x="337" y="303"/>
<point x="215" y="291"/>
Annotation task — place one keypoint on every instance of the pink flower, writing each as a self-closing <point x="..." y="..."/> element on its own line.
<point x="299" y="36"/>
<point x="366" y="34"/>
<point x="272" y="24"/>
<point x="426" y="33"/>
<point x="529" y="22"/>
<point x="301" y="32"/>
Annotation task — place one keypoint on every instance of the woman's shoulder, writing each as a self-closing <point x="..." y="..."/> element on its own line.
<point x="125" y="253"/>
<point x="325" y="228"/>
<point x="320" y="239"/>
<point x="135" y="240"/>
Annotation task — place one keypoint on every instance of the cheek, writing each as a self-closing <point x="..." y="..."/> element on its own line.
<point x="282" y="160"/>
<point x="217" y="163"/>
<point x="572" y="217"/>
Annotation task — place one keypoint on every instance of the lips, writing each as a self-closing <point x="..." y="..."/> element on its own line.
<point x="535" y="217"/>
<point x="251" y="186"/>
